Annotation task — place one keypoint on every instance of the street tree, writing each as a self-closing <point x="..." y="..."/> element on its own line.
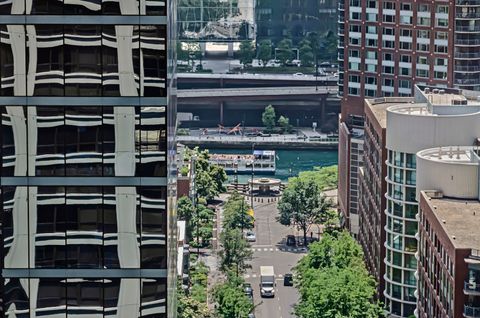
<point x="202" y="226"/>
<point x="231" y="299"/>
<point x="264" y="53"/>
<point x="189" y="307"/>
<point x="302" y="204"/>
<point x="209" y="178"/>
<point x="307" y="56"/>
<point x="329" y="46"/>
<point x="268" y="118"/>
<point x="333" y="281"/>
<point x="315" y="41"/>
<point x="246" y="52"/>
<point x="235" y="213"/>
<point x="235" y="252"/>
<point x="335" y="293"/>
<point x="284" y="51"/>
<point x="185" y="212"/>
<point x="284" y="123"/>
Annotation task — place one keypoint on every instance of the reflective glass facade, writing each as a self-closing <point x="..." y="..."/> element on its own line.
<point x="216" y="20"/>
<point x="87" y="126"/>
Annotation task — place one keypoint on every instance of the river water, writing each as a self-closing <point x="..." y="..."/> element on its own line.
<point x="290" y="162"/>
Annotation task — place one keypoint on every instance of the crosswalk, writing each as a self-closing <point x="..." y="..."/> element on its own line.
<point x="281" y="249"/>
<point x="247" y="276"/>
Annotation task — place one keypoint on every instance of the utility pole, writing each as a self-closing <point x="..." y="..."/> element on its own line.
<point x="251" y="186"/>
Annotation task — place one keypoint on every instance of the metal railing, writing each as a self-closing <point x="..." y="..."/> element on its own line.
<point x="471" y="287"/>
<point x="467" y="28"/>
<point x="467" y="41"/>
<point x="467" y="54"/>
<point x="467" y="68"/>
<point x="468" y="2"/>
<point x="470" y="311"/>
<point x="468" y="15"/>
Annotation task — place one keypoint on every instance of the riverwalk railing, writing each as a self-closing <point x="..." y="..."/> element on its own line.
<point x="271" y="139"/>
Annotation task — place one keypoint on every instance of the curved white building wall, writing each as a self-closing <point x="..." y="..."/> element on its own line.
<point x="412" y="132"/>
<point x="452" y="170"/>
<point x="412" y="128"/>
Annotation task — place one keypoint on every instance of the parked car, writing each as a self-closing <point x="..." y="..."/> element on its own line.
<point x="288" y="280"/>
<point x="247" y="288"/>
<point x="250" y="236"/>
<point x="298" y="74"/>
<point x="251" y="315"/>
<point x="291" y="240"/>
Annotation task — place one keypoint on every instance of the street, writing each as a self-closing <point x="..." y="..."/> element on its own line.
<point x="270" y="249"/>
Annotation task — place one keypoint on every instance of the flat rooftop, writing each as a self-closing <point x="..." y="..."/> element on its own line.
<point x="379" y="106"/>
<point x="462" y="219"/>
<point x="454" y="154"/>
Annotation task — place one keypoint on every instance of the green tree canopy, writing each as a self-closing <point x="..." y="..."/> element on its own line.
<point x="333" y="281"/>
<point x="185" y="212"/>
<point x="284" y="123"/>
<point x="246" y="52"/>
<point x="284" y="51"/>
<point x="307" y="56"/>
<point x="235" y="252"/>
<point x="189" y="307"/>
<point x="235" y="213"/>
<point x="231" y="299"/>
<point x="264" y="53"/>
<point x="325" y="177"/>
<point x="202" y="225"/>
<point x="302" y="204"/>
<point x="268" y="118"/>
<point x="209" y="178"/>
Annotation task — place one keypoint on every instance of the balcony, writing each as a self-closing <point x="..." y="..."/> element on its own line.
<point x="471" y="312"/>
<point x="341" y="5"/>
<point x="467" y="55"/>
<point x="466" y="82"/>
<point x="468" y="3"/>
<point x="467" y="42"/>
<point x="468" y="15"/>
<point x="467" y="28"/>
<point x="471" y="288"/>
<point x="467" y="68"/>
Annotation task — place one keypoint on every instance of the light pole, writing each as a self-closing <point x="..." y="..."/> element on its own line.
<point x="253" y="172"/>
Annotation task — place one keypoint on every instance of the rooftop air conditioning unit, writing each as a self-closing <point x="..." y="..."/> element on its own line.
<point x="435" y="91"/>
<point x="427" y="90"/>
<point x="441" y="92"/>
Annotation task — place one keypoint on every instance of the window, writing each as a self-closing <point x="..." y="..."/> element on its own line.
<point x="355" y="28"/>
<point x="372" y="4"/>
<point x="355" y="3"/>
<point x="353" y="91"/>
<point x="353" y="53"/>
<point x="388" y="69"/>
<point x="355" y="15"/>
<point x="354" y="41"/>
<point x="405" y="71"/>
<point x="423" y="21"/>
<point x="441" y="61"/>
<point x="441" y="49"/>
<point x="370" y="92"/>
<point x="404" y="84"/>
<point x="423" y="73"/>
<point x="441" y="35"/>
<point x="405" y="45"/>
<point x="371" y="80"/>
<point x="440" y="75"/>
<point x="423" y="7"/>
<point x="388" y="56"/>
<point x="372" y="29"/>
<point x="371" y="17"/>
<point x="388" y="82"/>
<point x="372" y="43"/>
<point x="406" y="19"/>
<point x="441" y="23"/>
<point x="354" y="78"/>
<point x="388" y="44"/>
<point x="405" y="58"/>
<point x="406" y="32"/>
<point x="388" y="18"/>
<point x="442" y="9"/>
<point x="353" y="66"/>
<point x="371" y="68"/>
<point x="422" y="59"/>
<point x="406" y="6"/>
<point x="371" y="55"/>
<point x="423" y="47"/>
<point x="389" y="5"/>
<point x="423" y="34"/>
<point x="389" y="31"/>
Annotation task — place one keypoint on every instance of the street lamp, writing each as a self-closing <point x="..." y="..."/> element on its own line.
<point x="251" y="187"/>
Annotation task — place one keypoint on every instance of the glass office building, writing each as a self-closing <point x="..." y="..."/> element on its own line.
<point x="87" y="126"/>
<point x="216" y="20"/>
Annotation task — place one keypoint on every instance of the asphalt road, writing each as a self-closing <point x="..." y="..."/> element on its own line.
<point x="270" y="249"/>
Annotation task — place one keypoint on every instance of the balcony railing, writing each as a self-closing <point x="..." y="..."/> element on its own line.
<point x="459" y="81"/>
<point x="467" y="55"/>
<point x="471" y="287"/>
<point x="467" y="28"/>
<point x="467" y="68"/>
<point x="468" y="2"/>
<point x="467" y="41"/>
<point x="469" y="311"/>
<point x="468" y="15"/>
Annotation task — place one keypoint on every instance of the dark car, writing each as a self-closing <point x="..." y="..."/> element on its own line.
<point x="291" y="240"/>
<point x="288" y="280"/>
<point x="247" y="288"/>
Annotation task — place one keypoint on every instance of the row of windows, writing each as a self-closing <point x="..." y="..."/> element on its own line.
<point x="404" y="19"/>
<point x="84" y="227"/>
<point x="93" y="297"/>
<point x="403" y="6"/>
<point x="373" y="29"/>
<point x="83" y="141"/>
<point x="60" y="7"/>
<point x="82" y="60"/>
